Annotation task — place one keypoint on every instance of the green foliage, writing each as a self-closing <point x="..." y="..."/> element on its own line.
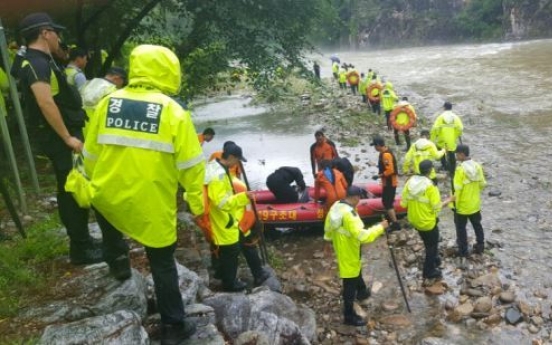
<point x="480" y="20"/>
<point x="22" y="263"/>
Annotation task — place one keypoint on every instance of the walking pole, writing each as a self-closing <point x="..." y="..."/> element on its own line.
<point x="390" y="246"/>
<point x="11" y="208"/>
<point x="263" y="250"/>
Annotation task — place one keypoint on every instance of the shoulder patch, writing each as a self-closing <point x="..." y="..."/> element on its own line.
<point x="133" y="115"/>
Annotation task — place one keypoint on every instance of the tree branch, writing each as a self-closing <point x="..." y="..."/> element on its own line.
<point x="116" y="48"/>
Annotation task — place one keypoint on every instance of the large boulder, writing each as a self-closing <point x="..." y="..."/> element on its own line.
<point x="188" y="281"/>
<point x="121" y="327"/>
<point x="95" y="293"/>
<point x="264" y="311"/>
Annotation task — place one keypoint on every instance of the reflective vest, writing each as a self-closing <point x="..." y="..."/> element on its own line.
<point x="388" y="99"/>
<point x="344" y="228"/>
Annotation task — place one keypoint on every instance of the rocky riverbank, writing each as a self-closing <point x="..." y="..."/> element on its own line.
<point x="477" y="301"/>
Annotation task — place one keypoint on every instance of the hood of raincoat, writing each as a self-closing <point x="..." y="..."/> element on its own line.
<point x="422" y="144"/>
<point x="448" y="117"/>
<point x="388" y="85"/>
<point x="417" y="185"/>
<point x="155" y="66"/>
<point x="470" y="168"/>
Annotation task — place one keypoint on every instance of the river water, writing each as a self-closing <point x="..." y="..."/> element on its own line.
<point x="501" y="91"/>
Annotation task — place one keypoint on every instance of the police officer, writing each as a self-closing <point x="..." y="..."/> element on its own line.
<point x="422" y="149"/>
<point x="226" y="208"/>
<point x="344" y="228"/>
<point x="469" y="180"/>
<point x="141" y="145"/>
<point x="423" y="201"/>
<point x="279" y="183"/>
<point x="445" y="133"/>
<point x="55" y="114"/>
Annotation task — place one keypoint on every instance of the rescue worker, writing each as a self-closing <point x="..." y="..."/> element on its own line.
<point x="345" y="167"/>
<point x="226" y="209"/>
<point x="206" y="136"/>
<point x="332" y="181"/>
<point x="388" y="100"/>
<point x="374" y="98"/>
<point x="363" y="85"/>
<point x="316" y="69"/>
<point x="422" y="149"/>
<point x="353" y="79"/>
<point x="96" y="89"/>
<point x="403" y="119"/>
<point x="387" y="168"/>
<point x="235" y="171"/>
<point x="344" y="228"/>
<point x="279" y="183"/>
<point x="335" y="71"/>
<point x="445" y="133"/>
<point x="343" y="77"/>
<point x="322" y="149"/>
<point x="469" y="180"/>
<point x="423" y="202"/>
<point x="56" y="119"/>
<point x="141" y="145"/>
<point x="78" y="59"/>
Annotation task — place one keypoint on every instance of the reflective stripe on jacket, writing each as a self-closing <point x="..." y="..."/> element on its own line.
<point x="346" y="230"/>
<point x="141" y="144"/>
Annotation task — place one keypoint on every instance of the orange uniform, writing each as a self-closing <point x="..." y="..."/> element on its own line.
<point x="334" y="191"/>
<point x="320" y="152"/>
<point x="388" y="169"/>
<point x="234" y="171"/>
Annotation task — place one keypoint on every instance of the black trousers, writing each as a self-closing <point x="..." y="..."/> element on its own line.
<point x="448" y="161"/>
<point x="354" y="89"/>
<point x="163" y="271"/>
<point x="228" y="260"/>
<point x="282" y="190"/>
<point x="406" y="138"/>
<point x="375" y="107"/>
<point x="387" y="116"/>
<point x="353" y="288"/>
<point x="461" y="222"/>
<point x="73" y="217"/>
<point x="432" y="260"/>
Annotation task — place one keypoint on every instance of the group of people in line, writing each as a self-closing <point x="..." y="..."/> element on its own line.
<point x="420" y="194"/>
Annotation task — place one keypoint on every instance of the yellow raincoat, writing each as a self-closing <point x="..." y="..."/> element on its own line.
<point x="468" y="183"/>
<point x="421" y="150"/>
<point x="346" y="230"/>
<point x="141" y="144"/>
<point x="423" y="201"/>
<point x="388" y="97"/>
<point x="446" y="130"/>
<point x="226" y="207"/>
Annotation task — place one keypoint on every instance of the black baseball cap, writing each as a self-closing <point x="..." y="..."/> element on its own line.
<point x="377" y="141"/>
<point x="38" y="20"/>
<point x="425" y="166"/>
<point x="447" y="105"/>
<point x="354" y="191"/>
<point x="234" y="150"/>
